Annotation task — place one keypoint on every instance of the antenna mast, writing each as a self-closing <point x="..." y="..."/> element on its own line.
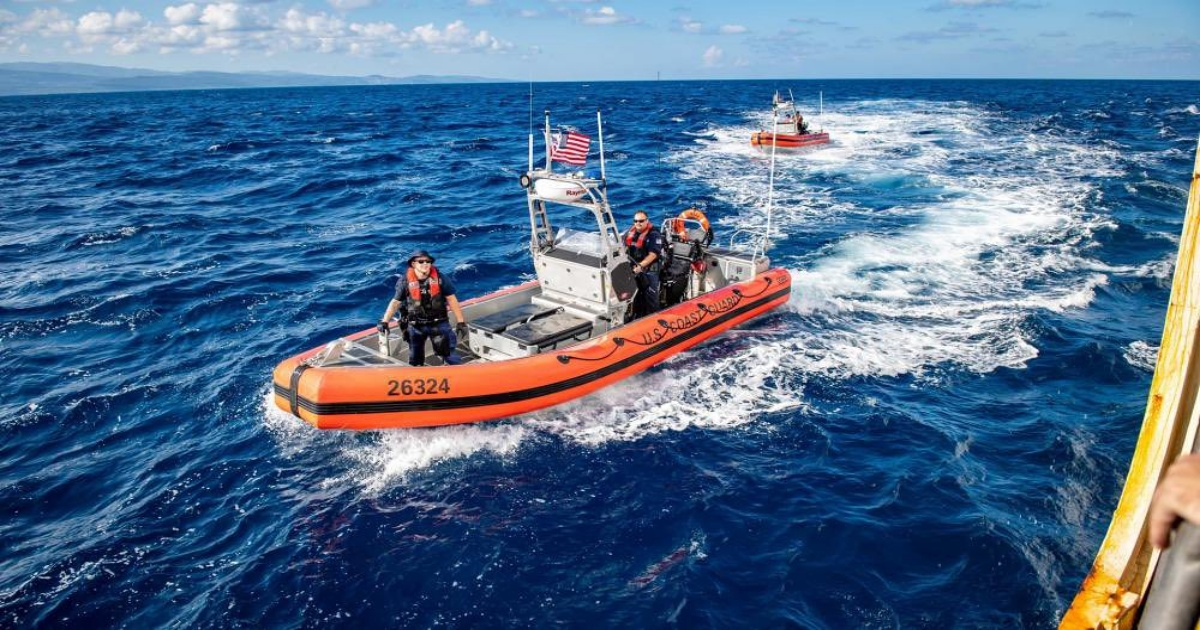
<point x="531" y="123"/>
<point x="766" y="240"/>
<point x="600" y="133"/>
<point x="547" y="139"/>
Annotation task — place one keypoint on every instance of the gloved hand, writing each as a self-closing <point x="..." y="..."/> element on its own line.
<point x="461" y="330"/>
<point x="382" y="327"/>
<point x="404" y="331"/>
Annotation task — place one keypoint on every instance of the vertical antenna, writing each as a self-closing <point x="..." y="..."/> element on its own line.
<point x="531" y="122"/>
<point x="549" y="167"/>
<point x="771" y="181"/>
<point x="600" y="130"/>
<point x="821" y="113"/>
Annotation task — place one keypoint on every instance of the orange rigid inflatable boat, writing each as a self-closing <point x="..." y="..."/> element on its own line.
<point x="394" y="396"/>
<point x="790" y="130"/>
<point x="788" y="140"/>
<point x="564" y="335"/>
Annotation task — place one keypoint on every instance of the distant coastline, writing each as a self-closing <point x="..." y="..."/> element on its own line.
<point x="36" y="78"/>
<point x="29" y="79"/>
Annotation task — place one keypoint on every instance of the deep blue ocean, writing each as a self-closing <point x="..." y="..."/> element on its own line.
<point x="931" y="434"/>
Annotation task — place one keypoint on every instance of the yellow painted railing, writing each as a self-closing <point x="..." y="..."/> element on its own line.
<point x="1114" y="589"/>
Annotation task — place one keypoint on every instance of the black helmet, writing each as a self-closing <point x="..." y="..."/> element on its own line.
<point x="420" y="253"/>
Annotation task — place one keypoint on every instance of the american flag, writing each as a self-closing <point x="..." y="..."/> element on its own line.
<point x="571" y="148"/>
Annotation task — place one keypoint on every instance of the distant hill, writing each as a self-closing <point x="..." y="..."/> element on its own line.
<point x="64" y="78"/>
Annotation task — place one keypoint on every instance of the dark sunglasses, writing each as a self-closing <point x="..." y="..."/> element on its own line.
<point x="640" y="220"/>
<point x="423" y="261"/>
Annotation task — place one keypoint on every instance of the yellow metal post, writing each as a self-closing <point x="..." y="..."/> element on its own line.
<point x="1120" y="574"/>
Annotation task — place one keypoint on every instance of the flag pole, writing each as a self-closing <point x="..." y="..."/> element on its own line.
<point x="549" y="167"/>
<point x="771" y="179"/>
<point x="600" y="133"/>
<point x="531" y="124"/>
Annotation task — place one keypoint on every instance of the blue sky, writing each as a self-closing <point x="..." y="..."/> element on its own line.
<point x="547" y="40"/>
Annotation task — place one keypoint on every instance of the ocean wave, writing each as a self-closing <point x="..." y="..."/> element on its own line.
<point x="979" y="271"/>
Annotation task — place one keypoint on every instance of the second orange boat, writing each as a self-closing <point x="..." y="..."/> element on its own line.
<point x="791" y="131"/>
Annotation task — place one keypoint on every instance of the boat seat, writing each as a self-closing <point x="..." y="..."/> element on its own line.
<point x="586" y="260"/>
<point x="686" y="250"/>
<point x="497" y="323"/>
<point x="548" y="332"/>
<point x="525" y="330"/>
<point x="731" y="254"/>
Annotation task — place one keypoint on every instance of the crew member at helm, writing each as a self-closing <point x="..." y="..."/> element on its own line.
<point x="422" y="298"/>
<point x="644" y="246"/>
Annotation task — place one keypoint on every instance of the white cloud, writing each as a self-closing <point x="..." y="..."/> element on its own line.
<point x="184" y="14"/>
<point x="182" y="35"/>
<point x="226" y="16"/>
<point x="122" y="32"/>
<point x="478" y="3"/>
<point x="954" y="30"/>
<point x="713" y="56"/>
<point x="8" y="38"/>
<point x="455" y="38"/>
<point x="105" y="23"/>
<point x="297" y="22"/>
<point x="969" y="5"/>
<point x="604" y="16"/>
<point x="46" y="22"/>
<point x="127" y="20"/>
<point x="126" y="47"/>
<point x="350" y="5"/>
<point x="429" y="34"/>
<point x="375" y="30"/>
<point x="235" y="28"/>
<point x="696" y="27"/>
<point x="223" y="43"/>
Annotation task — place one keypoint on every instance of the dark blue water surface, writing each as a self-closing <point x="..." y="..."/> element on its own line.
<point x="931" y="434"/>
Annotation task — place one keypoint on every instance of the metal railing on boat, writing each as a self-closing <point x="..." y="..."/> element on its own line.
<point x="348" y="351"/>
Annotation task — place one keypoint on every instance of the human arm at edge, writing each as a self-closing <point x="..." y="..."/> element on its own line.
<point x="1177" y="496"/>
<point x="452" y="302"/>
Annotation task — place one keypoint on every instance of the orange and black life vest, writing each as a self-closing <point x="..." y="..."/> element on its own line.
<point x="428" y="303"/>
<point x="641" y="241"/>
<point x="637" y="249"/>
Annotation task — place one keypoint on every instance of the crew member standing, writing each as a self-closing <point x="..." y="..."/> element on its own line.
<point x="644" y="246"/>
<point x="424" y="299"/>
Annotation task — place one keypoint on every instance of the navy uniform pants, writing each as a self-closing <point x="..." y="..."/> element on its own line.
<point x="444" y="342"/>
<point x="646" y="301"/>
